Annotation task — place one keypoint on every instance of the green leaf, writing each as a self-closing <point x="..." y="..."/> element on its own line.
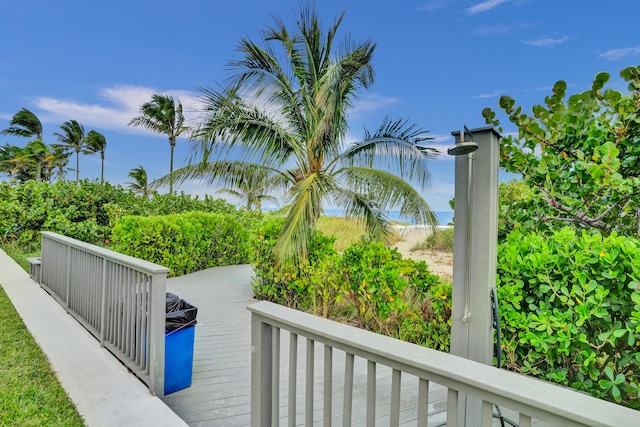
<point x="609" y="373"/>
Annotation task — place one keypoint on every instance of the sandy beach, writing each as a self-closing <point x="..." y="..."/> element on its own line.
<point x="440" y="263"/>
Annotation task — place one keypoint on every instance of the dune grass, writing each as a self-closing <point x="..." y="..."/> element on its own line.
<point x="442" y="240"/>
<point x="345" y="230"/>
<point x="30" y="394"/>
<point x="20" y="253"/>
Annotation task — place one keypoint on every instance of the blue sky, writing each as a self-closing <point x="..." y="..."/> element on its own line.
<point x="438" y="63"/>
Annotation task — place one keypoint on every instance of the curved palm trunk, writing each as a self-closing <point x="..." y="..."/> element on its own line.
<point x="172" y="142"/>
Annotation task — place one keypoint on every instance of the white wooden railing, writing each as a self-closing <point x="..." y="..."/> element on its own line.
<point x="531" y="399"/>
<point x="117" y="298"/>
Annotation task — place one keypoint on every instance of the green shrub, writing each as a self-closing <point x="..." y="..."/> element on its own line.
<point x="570" y="312"/>
<point x="75" y="210"/>
<point x="89" y="209"/>
<point x="313" y="283"/>
<point x="184" y="242"/>
<point x="377" y="281"/>
<point x="428" y="322"/>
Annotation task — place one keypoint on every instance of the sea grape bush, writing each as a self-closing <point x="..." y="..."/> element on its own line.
<point x="570" y="310"/>
<point x="370" y="282"/>
<point x="312" y="282"/>
<point x="581" y="154"/>
<point x="88" y="210"/>
<point x="185" y="242"/>
<point x="377" y="281"/>
<point x="75" y="210"/>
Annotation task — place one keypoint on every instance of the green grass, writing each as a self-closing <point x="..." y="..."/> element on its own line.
<point x="440" y="241"/>
<point x="20" y="253"/>
<point x="345" y="230"/>
<point x="30" y="394"/>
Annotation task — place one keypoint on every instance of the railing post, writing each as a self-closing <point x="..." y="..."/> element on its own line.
<point x="157" y="315"/>
<point x="261" y="375"/>
<point x="103" y="302"/>
<point x="68" y="283"/>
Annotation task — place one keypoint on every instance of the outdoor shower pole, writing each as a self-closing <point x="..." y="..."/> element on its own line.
<point x="474" y="255"/>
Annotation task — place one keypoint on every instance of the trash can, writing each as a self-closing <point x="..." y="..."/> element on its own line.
<point x="178" y="344"/>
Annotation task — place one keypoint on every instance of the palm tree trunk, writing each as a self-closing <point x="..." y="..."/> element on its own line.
<point x="102" y="172"/>
<point x="77" y="165"/>
<point x="172" y="142"/>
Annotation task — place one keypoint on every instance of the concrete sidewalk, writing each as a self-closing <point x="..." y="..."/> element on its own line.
<point x="102" y="389"/>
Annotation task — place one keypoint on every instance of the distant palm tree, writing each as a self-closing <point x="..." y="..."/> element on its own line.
<point x="8" y="164"/>
<point x="140" y="184"/>
<point x="286" y="107"/>
<point x="162" y="115"/>
<point x="72" y="139"/>
<point x="251" y="185"/>
<point x="97" y="143"/>
<point x="25" y="124"/>
<point x="59" y="161"/>
<point x="37" y="153"/>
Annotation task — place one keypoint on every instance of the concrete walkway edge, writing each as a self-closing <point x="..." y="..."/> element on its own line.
<point x="102" y="389"/>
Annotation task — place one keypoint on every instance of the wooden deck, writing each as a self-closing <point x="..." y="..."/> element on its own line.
<point x="220" y="394"/>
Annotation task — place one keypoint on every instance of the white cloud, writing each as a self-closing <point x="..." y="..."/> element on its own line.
<point x="493" y="94"/>
<point x="372" y="102"/>
<point x="494" y="30"/>
<point x="484" y="6"/>
<point x="433" y="6"/>
<point x="121" y="104"/>
<point x="500" y="29"/>
<point x="616" y="54"/>
<point x="441" y="142"/>
<point x="546" y="41"/>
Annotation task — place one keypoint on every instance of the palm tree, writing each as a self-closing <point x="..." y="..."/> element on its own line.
<point x="161" y="115"/>
<point x="59" y="161"/>
<point x="37" y="153"/>
<point x="25" y="124"/>
<point x="139" y="184"/>
<point x="250" y="185"/>
<point x="8" y="164"/>
<point x="72" y="139"/>
<point x="97" y="143"/>
<point x="287" y="110"/>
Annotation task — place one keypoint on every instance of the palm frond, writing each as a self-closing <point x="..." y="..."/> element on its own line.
<point x="395" y="145"/>
<point x="364" y="208"/>
<point x="303" y="211"/>
<point x="390" y="192"/>
<point x="25" y="124"/>
<point x="251" y="129"/>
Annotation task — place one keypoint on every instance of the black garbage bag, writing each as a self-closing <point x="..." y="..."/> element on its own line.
<point x="185" y="315"/>
<point x="172" y="303"/>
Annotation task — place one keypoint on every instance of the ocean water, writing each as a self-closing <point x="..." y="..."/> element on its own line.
<point x="444" y="217"/>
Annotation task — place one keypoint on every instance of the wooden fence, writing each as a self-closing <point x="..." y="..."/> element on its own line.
<point x="532" y="400"/>
<point x="117" y="298"/>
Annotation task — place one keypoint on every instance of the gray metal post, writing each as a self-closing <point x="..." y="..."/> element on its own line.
<point x="475" y="256"/>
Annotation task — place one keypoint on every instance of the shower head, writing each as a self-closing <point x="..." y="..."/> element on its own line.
<point x="462" y="148"/>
